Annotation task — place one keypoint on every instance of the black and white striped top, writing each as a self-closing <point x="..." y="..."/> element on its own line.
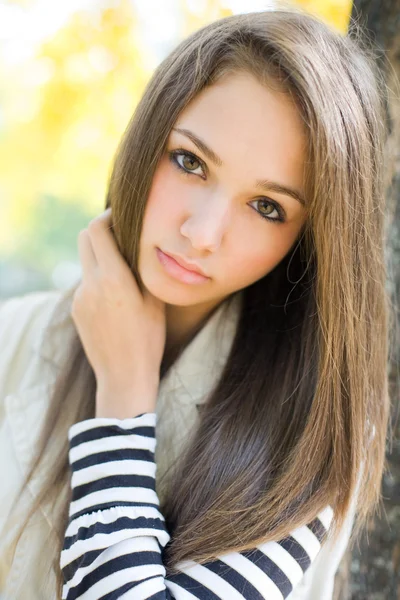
<point x="116" y="533"/>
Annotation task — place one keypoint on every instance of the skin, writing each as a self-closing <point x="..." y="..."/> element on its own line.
<point x="209" y="216"/>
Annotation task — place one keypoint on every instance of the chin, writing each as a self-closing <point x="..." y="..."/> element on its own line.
<point x="175" y="293"/>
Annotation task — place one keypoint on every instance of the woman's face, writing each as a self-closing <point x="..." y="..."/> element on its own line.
<point x="215" y="200"/>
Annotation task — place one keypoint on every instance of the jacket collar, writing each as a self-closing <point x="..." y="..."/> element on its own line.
<point x="200" y="364"/>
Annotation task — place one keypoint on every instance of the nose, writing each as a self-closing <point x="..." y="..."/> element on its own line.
<point x="207" y="223"/>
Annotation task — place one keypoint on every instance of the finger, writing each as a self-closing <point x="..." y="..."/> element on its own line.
<point x="105" y="216"/>
<point x="104" y="246"/>
<point x="86" y="254"/>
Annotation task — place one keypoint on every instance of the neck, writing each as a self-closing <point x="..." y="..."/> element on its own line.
<point x="183" y="322"/>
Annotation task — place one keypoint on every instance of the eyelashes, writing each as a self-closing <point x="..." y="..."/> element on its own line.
<point x="173" y="156"/>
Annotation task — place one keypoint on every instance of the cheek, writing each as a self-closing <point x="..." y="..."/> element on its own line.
<point x="254" y="258"/>
<point x="162" y="205"/>
<point x="250" y="265"/>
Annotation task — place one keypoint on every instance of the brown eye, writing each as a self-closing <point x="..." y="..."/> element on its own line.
<point x="187" y="162"/>
<point x="266" y="207"/>
<point x="190" y="163"/>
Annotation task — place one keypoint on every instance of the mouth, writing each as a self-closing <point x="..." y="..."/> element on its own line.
<point x="186" y="265"/>
<point x="174" y="266"/>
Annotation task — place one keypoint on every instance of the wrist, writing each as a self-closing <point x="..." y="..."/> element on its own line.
<point x="121" y="402"/>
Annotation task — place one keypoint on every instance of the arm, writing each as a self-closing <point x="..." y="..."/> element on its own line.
<point x="115" y="536"/>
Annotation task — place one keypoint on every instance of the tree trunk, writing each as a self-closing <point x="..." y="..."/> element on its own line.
<point x="371" y="571"/>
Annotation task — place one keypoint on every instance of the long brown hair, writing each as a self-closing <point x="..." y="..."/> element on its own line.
<point x="302" y="402"/>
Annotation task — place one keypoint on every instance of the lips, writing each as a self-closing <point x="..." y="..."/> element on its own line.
<point x="186" y="265"/>
<point x="179" y="272"/>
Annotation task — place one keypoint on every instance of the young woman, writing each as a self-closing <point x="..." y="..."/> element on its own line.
<point x="216" y="383"/>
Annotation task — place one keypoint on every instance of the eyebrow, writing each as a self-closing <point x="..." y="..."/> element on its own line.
<point x="264" y="184"/>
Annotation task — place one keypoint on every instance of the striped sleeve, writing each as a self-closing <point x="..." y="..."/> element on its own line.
<point x="116" y="533"/>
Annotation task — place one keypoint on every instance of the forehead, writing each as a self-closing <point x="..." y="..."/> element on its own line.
<point x="246" y="122"/>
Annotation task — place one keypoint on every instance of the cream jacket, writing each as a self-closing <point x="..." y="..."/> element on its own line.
<point x="30" y="358"/>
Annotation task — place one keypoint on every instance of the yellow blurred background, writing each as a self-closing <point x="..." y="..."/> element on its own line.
<point x="70" y="76"/>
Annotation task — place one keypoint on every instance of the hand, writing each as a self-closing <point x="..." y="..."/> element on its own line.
<point x="122" y="331"/>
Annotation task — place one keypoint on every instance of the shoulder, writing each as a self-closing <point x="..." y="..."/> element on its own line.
<point x="27" y="305"/>
<point x="23" y="322"/>
<point x="27" y="315"/>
